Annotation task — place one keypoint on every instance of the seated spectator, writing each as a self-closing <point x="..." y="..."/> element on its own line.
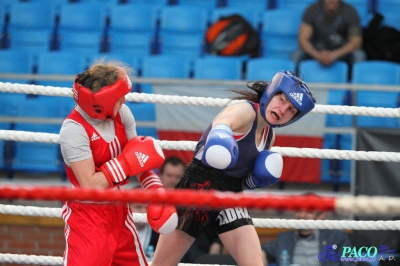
<point x="304" y="245"/>
<point x="330" y="31"/>
<point x="171" y="171"/>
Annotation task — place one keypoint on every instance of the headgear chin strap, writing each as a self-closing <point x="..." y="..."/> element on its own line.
<point x="295" y="90"/>
<point x="100" y="105"/>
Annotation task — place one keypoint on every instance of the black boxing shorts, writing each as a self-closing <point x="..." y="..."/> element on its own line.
<point x="194" y="221"/>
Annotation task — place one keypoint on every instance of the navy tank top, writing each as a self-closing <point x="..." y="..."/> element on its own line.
<point x="248" y="151"/>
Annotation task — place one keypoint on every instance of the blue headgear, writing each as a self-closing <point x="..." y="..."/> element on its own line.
<point x="295" y="90"/>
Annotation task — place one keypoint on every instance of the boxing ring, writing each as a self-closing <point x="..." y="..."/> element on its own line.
<point x="346" y="205"/>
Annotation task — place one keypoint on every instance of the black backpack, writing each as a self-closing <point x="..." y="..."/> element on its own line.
<point x="232" y="36"/>
<point x="381" y="42"/>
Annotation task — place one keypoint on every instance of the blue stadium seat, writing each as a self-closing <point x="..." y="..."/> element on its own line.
<point x="377" y="72"/>
<point x="144" y="112"/>
<point x="312" y="71"/>
<point x="279" y="32"/>
<point x="266" y="68"/>
<point x="187" y="45"/>
<point x="158" y="3"/>
<point x="183" y="19"/>
<point x="299" y="5"/>
<point x="387" y="6"/>
<point x="215" y="67"/>
<point x="31" y="26"/>
<point x="35" y="157"/>
<point x="363" y="8"/>
<point x="10" y="103"/>
<point x="89" y="18"/>
<point x="82" y="42"/>
<point x="16" y="62"/>
<point x="32" y="41"/>
<point x="30" y="15"/>
<point x="164" y="66"/>
<point x="49" y="63"/>
<point x="333" y="170"/>
<point x="254" y="4"/>
<point x="252" y="16"/>
<point x="82" y="17"/>
<point x="391" y="19"/>
<point x="131" y="42"/>
<point x="133" y="17"/>
<point x="209" y="4"/>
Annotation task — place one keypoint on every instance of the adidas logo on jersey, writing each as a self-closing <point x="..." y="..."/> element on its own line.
<point x="298" y="97"/>
<point x="94" y="137"/>
<point x="142" y="158"/>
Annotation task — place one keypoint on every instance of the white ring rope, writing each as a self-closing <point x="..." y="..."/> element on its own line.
<point x="15" y="135"/>
<point x="197" y="101"/>
<point x="380" y="203"/>
<point x="51" y="260"/>
<point x="348" y="204"/>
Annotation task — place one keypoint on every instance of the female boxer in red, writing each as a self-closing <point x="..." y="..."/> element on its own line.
<point x="101" y="150"/>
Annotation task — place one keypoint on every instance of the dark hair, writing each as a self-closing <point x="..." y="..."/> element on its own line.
<point x="175" y="161"/>
<point x="257" y="88"/>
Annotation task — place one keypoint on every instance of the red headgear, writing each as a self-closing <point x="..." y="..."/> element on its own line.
<point x="100" y="105"/>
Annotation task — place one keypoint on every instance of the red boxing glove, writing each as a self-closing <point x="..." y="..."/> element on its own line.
<point x="162" y="218"/>
<point x="140" y="154"/>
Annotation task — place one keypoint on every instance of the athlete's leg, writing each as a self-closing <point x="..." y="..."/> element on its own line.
<point x="171" y="248"/>
<point x="244" y="245"/>
<point x="129" y="249"/>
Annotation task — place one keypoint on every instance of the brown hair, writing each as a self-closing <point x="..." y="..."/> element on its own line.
<point x="105" y="73"/>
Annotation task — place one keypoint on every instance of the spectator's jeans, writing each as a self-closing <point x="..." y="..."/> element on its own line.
<point x="356" y="56"/>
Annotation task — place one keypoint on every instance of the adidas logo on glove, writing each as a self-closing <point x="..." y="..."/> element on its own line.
<point x="222" y="135"/>
<point x="298" y="97"/>
<point x="142" y="158"/>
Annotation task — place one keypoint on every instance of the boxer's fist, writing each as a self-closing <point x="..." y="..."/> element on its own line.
<point x="162" y="218"/>
<point x="220" y="150"/>
<point x="139" y="155"/>
<point x="267" y="170"/>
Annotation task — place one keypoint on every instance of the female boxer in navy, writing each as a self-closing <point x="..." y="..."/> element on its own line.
<point x="232" y="155"/>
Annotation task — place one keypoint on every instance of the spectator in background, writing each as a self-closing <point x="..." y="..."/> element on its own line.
<point x="304" y="245"/>
<point x="330" y="31"/>
<point x="171" y="171"/>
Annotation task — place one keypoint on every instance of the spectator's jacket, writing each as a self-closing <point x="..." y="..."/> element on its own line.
<point x="287" y="240"/>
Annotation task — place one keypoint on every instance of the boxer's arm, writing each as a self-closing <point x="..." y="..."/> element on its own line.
<point x="139" y="155"/>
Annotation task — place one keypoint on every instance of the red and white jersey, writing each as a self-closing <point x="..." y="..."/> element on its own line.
<point x="101" y="150"/>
